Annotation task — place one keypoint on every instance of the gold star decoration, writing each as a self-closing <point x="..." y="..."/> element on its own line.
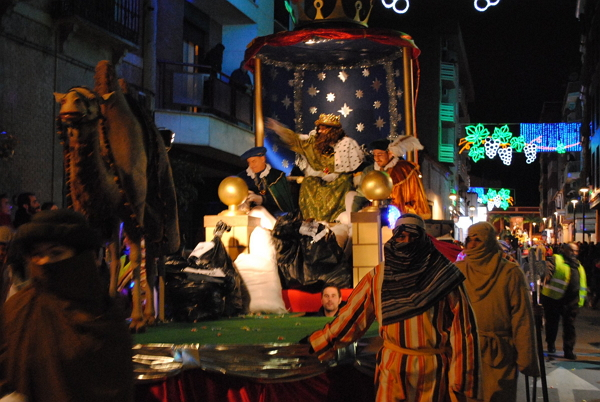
<point x="273" y="74"/>
<point x="330" y="97"/>
<point x="345" y="110"/>
<point x="343" y="76"/>
<point x="379" y="123"/>
<point x="291" y="83"/>
<point x="376" y="104"/>
<point x="285" y="163"/>
<point x="322" y="76"/>
<point x="360" y="127"/>
<point x="286" y="102"/>
<point x="399" y="93"/>
<point x="359" y="93"/>
<point x="365" y="72"/>
<point x="376" y="84"/>
<point x="313" y="110"/>
<point x="274" y="97"/>
<point x="313" y="91"/>
<point x="275" y="148"/>
<point x="396" y="73"/>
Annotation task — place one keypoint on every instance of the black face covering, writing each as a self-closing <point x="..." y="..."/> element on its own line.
<point x="75" y="279"/>
<point x="416" y="276"/>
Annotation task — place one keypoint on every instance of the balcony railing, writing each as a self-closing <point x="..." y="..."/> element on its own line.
<point x="120" y="17"/>
<point x="448" y="75"/>
<point x="199" y="89"/>
<point x="447" y="113"/>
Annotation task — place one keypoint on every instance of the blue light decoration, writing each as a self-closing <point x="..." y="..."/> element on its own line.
<point x="390" y="215"/>
<point x="498" y="198"/>
<point x="530" y="139"/>
<point x="553" y="137"/>
<point x="397" y="4"/>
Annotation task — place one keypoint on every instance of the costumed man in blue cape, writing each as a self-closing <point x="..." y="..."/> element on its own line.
<point x="268" y="188"/>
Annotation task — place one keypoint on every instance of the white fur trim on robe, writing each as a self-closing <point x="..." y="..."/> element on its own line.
<point x="348" y="155"/>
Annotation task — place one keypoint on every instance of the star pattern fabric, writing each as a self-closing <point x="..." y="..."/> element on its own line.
<point x="359" y="94"/>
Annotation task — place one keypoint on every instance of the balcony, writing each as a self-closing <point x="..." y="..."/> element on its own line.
<point x="119" y="17"/>
<point x="196" y="88"/>
<point x="208" y="113"/>
<point x="447" y="114"/>
<point x="448" y="75"/>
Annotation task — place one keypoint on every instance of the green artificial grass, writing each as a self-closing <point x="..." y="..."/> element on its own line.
<point x="251" y="329"/>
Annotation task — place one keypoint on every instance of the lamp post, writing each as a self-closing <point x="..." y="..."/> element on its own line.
<point x="453" y="197"/>
<point x="472" y="213"/>
<point x="556" y="227"/>
<point x="544" y="219"/>
<point x="584" y="192"/>
<point x="574" y="201"/>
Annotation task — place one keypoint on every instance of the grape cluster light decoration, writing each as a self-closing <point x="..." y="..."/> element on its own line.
<point x="480" y="143"/>
<point x="498" y="198"/>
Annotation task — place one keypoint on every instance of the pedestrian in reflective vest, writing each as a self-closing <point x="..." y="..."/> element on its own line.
<point x="563" y="294"/>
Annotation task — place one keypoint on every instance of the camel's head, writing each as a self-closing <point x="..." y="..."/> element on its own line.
<point x="79" y="105"/>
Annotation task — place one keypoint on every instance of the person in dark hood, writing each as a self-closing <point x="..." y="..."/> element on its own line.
<point x="430" y="346"/>
<point x="64" y="339"/>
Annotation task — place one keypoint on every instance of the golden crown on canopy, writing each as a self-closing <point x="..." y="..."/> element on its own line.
<point x="333" y="11"/>
<point x="332" y="120"/>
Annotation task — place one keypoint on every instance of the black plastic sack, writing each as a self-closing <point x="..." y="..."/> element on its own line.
<point x="307" y="262"/>
<point x="206" y="293"/>
<point x="194" y="297"/>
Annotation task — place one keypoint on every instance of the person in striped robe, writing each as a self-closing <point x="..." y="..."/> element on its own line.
<point x="430" y="346"/>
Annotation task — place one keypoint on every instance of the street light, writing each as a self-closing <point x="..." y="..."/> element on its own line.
<point x="556" y="223"/>
<point x="584" y="192"/>
<point x="574" y="201"/>
<point x="544" y="219"/>
<point x="472" y="212"/>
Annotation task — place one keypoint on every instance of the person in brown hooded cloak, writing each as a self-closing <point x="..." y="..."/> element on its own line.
<point x="502" y="304"/>
<point x="61" y="336"/>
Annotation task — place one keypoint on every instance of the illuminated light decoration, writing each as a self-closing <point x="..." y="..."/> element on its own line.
<point x="488" y="4"/>
<point x="531" y="139"/>
<point x="393" y="5"/>
<point x="390" y="216"/>
<point x="552" y="137"/>
<point x="493" y="198"/>
<point x="480" y="143"/>
<point x="290" y="11"/>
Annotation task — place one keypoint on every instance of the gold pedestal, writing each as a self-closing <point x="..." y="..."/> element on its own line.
<point x="236" y="241"/>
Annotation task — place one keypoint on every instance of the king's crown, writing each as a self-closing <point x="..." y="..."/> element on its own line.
<point x="333" y="12"/>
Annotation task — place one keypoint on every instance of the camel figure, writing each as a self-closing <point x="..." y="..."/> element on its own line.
<point x="117" y="172"/>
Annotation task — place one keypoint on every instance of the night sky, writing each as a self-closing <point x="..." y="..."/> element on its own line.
<point x="521" y="54"/>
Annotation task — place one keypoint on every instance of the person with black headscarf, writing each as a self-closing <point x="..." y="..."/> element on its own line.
<point x="430" y="345"/>
<point x="562" y="296"/>
<point x="63" y="338"/>
<point x="502" y="304"/>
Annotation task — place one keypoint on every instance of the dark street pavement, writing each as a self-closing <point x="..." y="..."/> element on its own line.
<point x="571" y="380"/>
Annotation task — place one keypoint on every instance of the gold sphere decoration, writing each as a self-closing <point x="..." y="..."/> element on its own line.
<point x="377" y="185"/>
<point x="233" y="191"/>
